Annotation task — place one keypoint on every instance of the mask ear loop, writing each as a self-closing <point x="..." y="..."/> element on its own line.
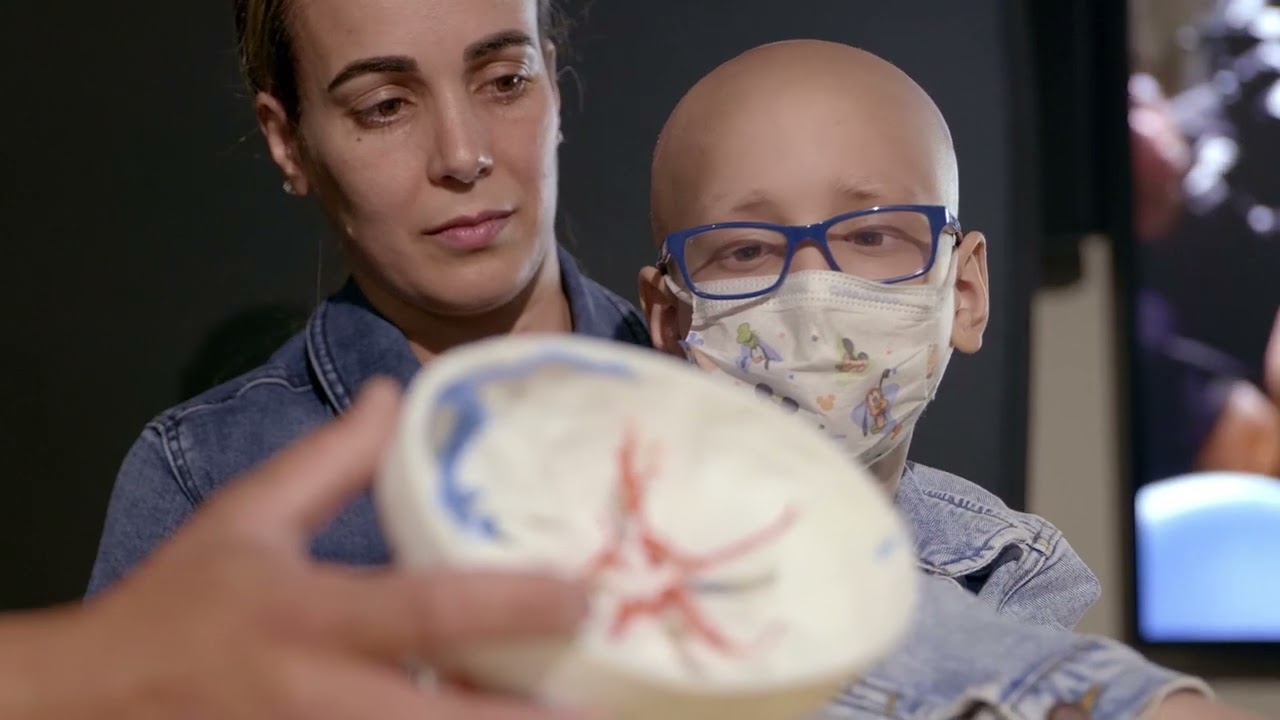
<point x="664" y="264"/>
<point x="681" y="292"/>
<point x="944" y="265"/>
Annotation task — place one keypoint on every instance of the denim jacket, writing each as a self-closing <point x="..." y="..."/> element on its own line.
<point x="991" y="637"/>
<point x="962" y="659"/>
<point x="960" y="648"/>
<point x="191" y="450"/>
<point x="1016" y="562"/>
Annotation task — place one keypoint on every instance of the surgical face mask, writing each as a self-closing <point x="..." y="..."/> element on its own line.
<point x="858" y="359"/>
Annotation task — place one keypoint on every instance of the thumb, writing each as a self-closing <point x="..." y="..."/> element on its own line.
<point x="396" y="615"/>
<point x="301" y="488"/>
<point x="1271" y="362"/>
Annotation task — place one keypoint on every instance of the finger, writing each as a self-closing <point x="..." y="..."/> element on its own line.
<point x="348" y="691"/>
<point x="1272" y="362"/>
<point x="475" y="706"/>
<point x="303" y="487"/>
<point x="459" y="682"/>
<point x="429" y="616"/>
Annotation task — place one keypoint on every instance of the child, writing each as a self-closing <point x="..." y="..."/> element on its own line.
<point x="804" y="200"/>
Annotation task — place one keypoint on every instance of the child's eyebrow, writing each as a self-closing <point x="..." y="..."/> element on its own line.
<point x="754" y="201"/>
<point x="862" y="192"/>
<point x="858" y="192"/>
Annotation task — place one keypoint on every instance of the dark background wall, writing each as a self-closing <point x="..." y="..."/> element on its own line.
<point x="139" y="216"/>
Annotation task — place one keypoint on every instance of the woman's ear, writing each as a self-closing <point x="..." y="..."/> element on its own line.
<point x="973" y="303"/>
<point x="283" y="142"/>
<point x="553" y="72"/>
<point x="661" y="309"/>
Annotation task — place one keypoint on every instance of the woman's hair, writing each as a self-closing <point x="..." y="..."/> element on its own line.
<point x="266" y="51"/>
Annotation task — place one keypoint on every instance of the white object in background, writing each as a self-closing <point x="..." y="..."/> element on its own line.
<point x="1206" y="546"/>
<point x="743" y="567"/>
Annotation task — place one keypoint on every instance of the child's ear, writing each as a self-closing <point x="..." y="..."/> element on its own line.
<point x="972" y="300"/>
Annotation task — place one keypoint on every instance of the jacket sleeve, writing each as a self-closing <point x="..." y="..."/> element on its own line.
<point x="1051" y="585"/>
<point x="147" y="504"/>
<point x="963" y="659"/>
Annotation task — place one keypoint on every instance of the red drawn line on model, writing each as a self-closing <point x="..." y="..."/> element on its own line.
<point x="679" y="595"/>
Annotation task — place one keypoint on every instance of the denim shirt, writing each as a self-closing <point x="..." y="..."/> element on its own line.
<point x="189" y="451"/>
<point x="989" y="572"/>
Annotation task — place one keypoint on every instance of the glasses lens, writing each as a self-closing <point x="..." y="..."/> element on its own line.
<point x="735" y="253"/>
<point x="883" y="245"/>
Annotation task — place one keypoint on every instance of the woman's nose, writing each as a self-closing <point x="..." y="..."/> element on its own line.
<point x="462" y="153"/>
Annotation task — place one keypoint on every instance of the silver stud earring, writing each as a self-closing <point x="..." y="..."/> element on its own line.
<point x="560" y="137"/>
<point x="288" y="187"/>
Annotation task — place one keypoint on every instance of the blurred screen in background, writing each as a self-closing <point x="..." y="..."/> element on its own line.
<point x="1204" y="115"/>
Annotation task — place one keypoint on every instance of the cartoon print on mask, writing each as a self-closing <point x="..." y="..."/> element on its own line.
<point x="852" y="361"/>
<point x="873" y="415"/>
<point x="692" y="342"/>
<point x="696" y="357"/>
<point x="764" y="392"/>
<point x="753" y="349"/>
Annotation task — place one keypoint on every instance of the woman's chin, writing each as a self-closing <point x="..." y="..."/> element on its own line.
<point x="465" y="294"/>
<point x="466" y="286"/>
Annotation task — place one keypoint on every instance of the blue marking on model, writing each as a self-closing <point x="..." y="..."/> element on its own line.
<point x="886" y="548"/>
<point x="463" y="396"/>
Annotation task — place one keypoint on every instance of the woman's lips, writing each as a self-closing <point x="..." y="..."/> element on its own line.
<point x="472" y="232"/>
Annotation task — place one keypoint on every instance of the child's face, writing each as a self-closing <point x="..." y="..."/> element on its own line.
<point x="796" y="138"/>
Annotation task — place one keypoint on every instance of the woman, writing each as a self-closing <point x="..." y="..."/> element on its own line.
<point x="428" y="129"/>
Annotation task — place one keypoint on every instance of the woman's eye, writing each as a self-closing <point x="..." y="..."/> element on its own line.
<point x="383" y="112"/>
<point x="509" y="85"/>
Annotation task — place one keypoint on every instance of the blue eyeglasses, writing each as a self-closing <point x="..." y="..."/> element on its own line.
<point x="887" y="244"/>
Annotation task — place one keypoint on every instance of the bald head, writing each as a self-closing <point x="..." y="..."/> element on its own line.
<point x="796" y="132"/>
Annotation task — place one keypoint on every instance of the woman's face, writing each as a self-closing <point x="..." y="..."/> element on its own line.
<point x="429" y="130"/>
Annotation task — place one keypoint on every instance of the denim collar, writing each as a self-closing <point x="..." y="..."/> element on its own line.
<point x="349" y="342"/>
